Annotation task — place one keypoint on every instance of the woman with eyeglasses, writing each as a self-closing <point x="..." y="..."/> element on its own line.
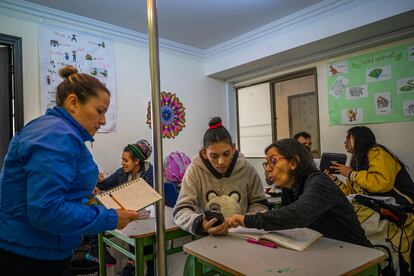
<point x="220" y="180"/>
<point x="310" y="198"/>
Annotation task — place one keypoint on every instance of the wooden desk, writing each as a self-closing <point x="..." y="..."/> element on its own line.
<point x="140" y="233"/>
<point x="235" y="256"/>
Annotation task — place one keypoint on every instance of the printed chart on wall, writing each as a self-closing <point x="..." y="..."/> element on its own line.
<point x="373" y="88"/>
<point x="89" y="54"/>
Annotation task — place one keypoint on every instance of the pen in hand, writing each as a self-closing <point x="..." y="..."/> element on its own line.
<point x="117" y="202"/>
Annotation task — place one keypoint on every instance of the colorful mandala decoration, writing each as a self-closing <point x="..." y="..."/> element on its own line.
<point x="172" y="115"/>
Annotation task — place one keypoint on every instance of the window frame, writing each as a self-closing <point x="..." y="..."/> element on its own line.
<point x="272" y="82"/>
<point x="238" y="117"/>
<point x="15" y="43"/>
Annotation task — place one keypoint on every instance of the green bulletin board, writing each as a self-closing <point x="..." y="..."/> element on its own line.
<point x="373" y="88"/>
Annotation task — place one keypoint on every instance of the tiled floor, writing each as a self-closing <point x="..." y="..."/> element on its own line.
<point x="176" y="264"/>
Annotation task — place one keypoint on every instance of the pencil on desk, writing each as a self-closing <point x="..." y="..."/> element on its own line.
<point x="117" y="202"/>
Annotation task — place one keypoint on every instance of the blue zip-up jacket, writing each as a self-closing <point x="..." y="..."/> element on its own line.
<point x="119" y="177"/>
<point x="47" y="174"/>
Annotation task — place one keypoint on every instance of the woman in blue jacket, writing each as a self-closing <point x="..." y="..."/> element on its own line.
<point x="47" y="176"/>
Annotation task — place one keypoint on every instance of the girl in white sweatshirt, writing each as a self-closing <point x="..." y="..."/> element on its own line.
<point x="218" y="179"/>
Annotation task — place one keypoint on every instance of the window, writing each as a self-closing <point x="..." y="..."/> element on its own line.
<point x="254" y="125"/>
<point x="278" y="109"/>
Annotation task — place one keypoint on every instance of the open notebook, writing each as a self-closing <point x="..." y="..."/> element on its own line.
<point x="298" y="239"/>
<point x="134" y="195"/>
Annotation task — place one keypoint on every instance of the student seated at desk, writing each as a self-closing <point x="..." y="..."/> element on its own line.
<point x="311" y="199"/>
<point x="304" y="138"/>
<point x="218" y="178"/>
<point x="374" y="169"/>
<point x="175" y="166"/>
<point x="134" y="165"/>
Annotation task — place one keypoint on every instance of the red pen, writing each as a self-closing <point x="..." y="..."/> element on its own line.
<point x="268" y="244"/>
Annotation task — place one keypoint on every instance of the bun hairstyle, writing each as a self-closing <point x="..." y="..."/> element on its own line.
<point x="216" y="133"/>
<point x="82" y="85"/>
<point x="66" y="71"/>
<point x="141" y="150"/>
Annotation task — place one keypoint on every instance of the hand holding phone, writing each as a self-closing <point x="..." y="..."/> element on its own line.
<point x="327" y="160"/>
<point x="211" y="214"/>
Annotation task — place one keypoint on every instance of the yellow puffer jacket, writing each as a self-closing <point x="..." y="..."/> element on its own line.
<point x="379" y="179"/>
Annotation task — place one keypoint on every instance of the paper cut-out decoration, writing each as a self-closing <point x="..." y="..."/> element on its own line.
<point x="405" y="85"/>
<point x="375" y="73"/>
<point x="337" y="68"/>
<point x="382" y="103"/>
<point x="356" y="92"/>
<point x="378" y="73"/>
<point x="352" y="116"/>
<point x="339" y="86"/>
<point x="408" y="107"/>
<point x="172" y="115"/>
<point x="410" y="53"/>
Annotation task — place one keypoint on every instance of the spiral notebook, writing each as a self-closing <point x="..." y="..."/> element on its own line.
<point x="134" y="195"/>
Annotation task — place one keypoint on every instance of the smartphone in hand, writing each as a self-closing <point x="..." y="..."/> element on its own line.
<point x="211" y="214"/>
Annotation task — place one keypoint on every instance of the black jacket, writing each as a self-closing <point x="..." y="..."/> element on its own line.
<point x="316" y="203"/>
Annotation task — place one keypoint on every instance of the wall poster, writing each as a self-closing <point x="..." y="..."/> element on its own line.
<point x="90" y="54"/>
<point x="377" y="87"/>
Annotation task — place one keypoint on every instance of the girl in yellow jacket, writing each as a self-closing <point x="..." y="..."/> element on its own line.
<point x="373" y="170"/>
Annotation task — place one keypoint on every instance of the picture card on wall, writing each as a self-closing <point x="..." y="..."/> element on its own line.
<point x="378" y="73"/>
<point x="382" y="102"/>
<point x="337" y="68"/>
<point x="356" y="92"/>
<point x="351" y="116"/>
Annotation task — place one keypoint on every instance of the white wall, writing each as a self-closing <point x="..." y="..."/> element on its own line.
<point x="304" y="27"/>
<point x="202" y="97"/>
<point x="398" y="137"/>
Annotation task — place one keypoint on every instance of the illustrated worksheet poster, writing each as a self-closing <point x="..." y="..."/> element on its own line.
<point x="377" y="87"/>
<point x="89" y="54"/>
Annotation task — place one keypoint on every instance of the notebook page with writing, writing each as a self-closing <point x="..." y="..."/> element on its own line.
<point x="134" y="195"/>
<point x="298" y="239"/>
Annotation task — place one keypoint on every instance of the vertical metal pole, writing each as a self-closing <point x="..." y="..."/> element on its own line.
<point x="156" y="134"/>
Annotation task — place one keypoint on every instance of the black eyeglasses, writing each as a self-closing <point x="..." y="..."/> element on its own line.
<point x="272" y="163"/>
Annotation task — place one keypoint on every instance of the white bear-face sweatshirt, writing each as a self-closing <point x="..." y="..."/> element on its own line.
<point x="238" y="191"/>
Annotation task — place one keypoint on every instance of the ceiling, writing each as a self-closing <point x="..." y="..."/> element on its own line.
<point x="198" y="23"/>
